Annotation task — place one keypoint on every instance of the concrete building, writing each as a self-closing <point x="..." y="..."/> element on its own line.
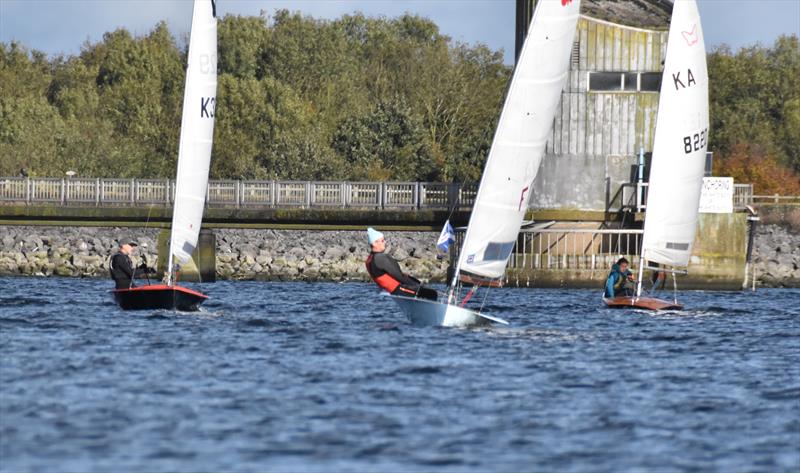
<point x="609" y="104"/>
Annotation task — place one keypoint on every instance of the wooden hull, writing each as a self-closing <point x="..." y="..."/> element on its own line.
<point x="423" y="312"/>
<point x="159" y="296"/>
<point x="647" y="303"/>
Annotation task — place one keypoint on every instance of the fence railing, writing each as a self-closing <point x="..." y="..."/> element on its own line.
<point x="569" y="248"/>
<point x="776" y="199"/>
<point x="232" y="193"/>
<point x="560" y="248"/>
<point x="633" y="196"/>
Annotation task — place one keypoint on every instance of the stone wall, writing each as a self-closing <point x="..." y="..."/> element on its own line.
<point x="776" y="256"/>
<point x="279" y="255"/>
<point x="296" y="255"/>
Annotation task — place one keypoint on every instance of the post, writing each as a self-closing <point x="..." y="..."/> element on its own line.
<point x="63" y="193"/>
<point x="97" y="192"/>
<point x="133" y="192"/>
<point x="238" y="193"/>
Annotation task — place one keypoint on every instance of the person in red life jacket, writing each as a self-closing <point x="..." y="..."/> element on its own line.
<point x="384" y="270"/>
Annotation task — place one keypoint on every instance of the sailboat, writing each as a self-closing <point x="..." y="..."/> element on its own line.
<point x="194" y="158"/>
<point x="679" y="152"/>
<point x="513" y="162"/>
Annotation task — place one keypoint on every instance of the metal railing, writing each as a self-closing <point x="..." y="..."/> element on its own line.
<point x="776" y="199"/>
<point x="553" y="249"/>
<point x="633" y="197"/>
<point x="570" y="248"/>
<point x="232" y="193"/>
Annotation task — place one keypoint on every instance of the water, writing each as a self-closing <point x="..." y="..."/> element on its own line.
<point x="329" y="377"/>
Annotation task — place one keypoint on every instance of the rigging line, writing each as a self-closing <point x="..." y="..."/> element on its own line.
<point x="146" y="223"/>
<point x="484" y="298"/>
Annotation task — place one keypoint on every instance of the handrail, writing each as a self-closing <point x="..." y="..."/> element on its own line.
<point x="636" y="200"/>
<point x="239" y="193"/>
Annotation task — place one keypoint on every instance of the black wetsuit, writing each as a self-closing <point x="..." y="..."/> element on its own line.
<point x="381" y="264"/>
<point x="122" y="271"/>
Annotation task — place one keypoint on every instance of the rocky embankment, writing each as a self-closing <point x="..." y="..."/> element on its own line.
<point x="296" y="255"/>
<point x="282" y="255"/>
<point x="776" y="256"/>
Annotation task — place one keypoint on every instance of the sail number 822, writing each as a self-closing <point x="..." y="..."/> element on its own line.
<point x="695" y="142"/>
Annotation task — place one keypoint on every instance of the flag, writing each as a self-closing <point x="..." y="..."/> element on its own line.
<point x="446" y="237"/>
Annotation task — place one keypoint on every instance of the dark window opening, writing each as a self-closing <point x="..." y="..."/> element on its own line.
<point x="610" y="81"/>
<point x="650" y="82"/>
<point x="631" y="82"/>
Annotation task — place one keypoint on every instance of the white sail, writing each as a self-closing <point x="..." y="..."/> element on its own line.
<point x="197" y="130"/>
<point x="679" y="147"/>
<point x="519" y="141"/>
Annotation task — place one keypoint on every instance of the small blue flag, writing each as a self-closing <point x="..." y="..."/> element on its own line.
<point x="446" y="237"/>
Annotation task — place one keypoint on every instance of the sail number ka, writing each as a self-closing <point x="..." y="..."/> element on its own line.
<point x="695" y="142"/>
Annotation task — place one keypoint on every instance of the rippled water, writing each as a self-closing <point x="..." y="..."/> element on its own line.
<point x="329" y="377"/>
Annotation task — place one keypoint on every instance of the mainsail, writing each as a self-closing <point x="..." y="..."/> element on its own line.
<point x="197" y="130"/>
<point x="679" y="147"/>
<point x="519" y="141"/>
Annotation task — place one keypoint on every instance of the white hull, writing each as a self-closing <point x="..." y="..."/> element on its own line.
<point x="423" y="312"/>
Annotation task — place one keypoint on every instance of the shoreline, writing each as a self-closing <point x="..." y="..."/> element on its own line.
<point x="299" y="255"/>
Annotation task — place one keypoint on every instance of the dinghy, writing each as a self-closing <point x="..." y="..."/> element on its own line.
<point x="679" y="153"/>
<point x="519" y="141"/>
<point x="194" y="158"/>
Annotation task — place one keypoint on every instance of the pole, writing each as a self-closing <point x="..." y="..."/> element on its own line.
<point x="641" y="275"/>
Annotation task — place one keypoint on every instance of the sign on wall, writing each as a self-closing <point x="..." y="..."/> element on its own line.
<point x="717" y="195"/>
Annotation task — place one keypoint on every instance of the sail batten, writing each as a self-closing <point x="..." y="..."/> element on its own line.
<point x="680" y="142"/>
<point x="519" y="141"/>
<point x="197" y="132"/>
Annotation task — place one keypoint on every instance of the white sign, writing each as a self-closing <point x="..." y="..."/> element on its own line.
<point x="717" y="195"/>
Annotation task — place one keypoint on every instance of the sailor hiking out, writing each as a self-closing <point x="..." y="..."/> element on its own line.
<point x="618" y="279"/>
<point x="386" y="272"/>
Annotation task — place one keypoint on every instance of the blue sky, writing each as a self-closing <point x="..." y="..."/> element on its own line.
<point x="61" y="26"/>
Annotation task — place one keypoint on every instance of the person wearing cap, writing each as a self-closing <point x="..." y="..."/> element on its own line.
<point x="121" y="267"/>
<point x="386" y="272"/>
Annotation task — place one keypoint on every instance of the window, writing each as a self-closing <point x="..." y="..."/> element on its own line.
<point x="624" y="81"/>
<point x="631" y="81"/>
<point x="650" y="81"/>
<point x="605" y="81"/>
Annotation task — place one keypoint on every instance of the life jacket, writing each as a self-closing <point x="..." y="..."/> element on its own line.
<point x="385" y="280"/>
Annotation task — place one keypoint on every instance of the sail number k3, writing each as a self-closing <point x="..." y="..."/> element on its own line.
<point x="695" y="142"/>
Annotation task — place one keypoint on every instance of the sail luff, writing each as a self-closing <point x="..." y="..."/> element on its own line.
<point x="519" y="140"/>
<point x="197" y="130"/>
<point x="680" y="142"/>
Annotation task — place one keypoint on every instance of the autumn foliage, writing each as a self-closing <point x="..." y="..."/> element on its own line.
<point x="752" y="164"/>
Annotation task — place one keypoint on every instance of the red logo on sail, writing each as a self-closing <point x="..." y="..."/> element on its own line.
<point x="522" y="196"/>
<point x="565" y="2"/>
<point x="690" y="36"/>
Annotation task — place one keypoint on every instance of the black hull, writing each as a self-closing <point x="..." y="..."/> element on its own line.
<point x="159" y="297"/>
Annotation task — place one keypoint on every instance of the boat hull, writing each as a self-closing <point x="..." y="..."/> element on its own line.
<point x="425" y="313"/>
<point x="159" y="296"/>
<point x="647" y="303"/>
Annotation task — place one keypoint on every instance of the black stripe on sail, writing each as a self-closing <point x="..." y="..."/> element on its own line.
<point x="214" y="8"/>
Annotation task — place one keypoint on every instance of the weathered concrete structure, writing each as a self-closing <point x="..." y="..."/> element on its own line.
<point x="608" y="106"/>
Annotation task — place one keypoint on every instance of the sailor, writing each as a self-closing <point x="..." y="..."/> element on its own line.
<point x="121" y="266"/>
<point x="384" y="270"/>
<point x="618" y="279"/>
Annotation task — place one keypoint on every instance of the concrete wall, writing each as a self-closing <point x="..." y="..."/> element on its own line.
<point x="597" y="135"/>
